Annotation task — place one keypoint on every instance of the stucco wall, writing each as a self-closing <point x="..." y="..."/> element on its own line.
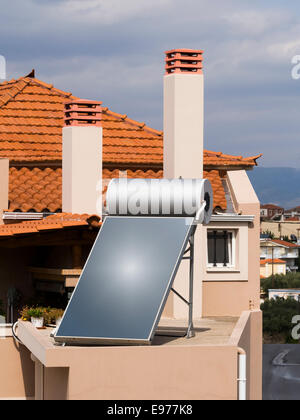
<point x="17" y="371"/>
<point x="229" y="294"/>
<point x="248" y="336"/>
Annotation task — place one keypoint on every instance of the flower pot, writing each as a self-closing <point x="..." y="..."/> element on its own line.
<point x="37" y="322"/>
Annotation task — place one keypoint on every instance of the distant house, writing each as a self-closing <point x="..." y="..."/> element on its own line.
<point x="270" y="211"/>
<point x="284" y="293"/>
<point x="292" y="214"/>
<point x="271" y="267"/>
<point x="276" y="249"/>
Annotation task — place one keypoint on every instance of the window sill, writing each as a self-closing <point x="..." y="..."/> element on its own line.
<point x="222" y="270"/>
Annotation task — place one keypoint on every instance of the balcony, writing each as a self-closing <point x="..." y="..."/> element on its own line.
<point x="203" y="367"/>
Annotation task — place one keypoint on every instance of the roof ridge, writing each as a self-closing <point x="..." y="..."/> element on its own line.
<point x="52" y="88"/>
<point x="8" y="97"/>
<point x="125" y="118"/>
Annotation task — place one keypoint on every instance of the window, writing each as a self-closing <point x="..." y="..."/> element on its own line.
<point x="221" y="248"/>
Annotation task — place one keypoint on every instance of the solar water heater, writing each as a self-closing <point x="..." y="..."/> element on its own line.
<point x="130" y="271"/>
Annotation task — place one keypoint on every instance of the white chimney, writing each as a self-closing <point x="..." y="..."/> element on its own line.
<point x="183" y="114"/>
<point x="82" y="158"/>
<point x="183" y="154"/>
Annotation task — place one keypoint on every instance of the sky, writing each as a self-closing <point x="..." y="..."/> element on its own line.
<point x="113" y="51"/>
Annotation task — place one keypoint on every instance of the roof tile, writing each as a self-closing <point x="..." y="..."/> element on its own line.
<point x="31" y="121"/>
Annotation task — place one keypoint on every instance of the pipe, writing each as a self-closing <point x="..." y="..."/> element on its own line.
<point x="14" y="327"/>
<point x="242" y="379"/>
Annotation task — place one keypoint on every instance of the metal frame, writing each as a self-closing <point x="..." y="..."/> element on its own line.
<point x="190" y="330"/>
<point x="124" y="341"/>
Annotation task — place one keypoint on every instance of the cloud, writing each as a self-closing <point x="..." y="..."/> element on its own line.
<point x="113" y="51"/>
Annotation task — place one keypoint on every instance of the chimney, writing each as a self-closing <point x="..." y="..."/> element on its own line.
<point x="82" y="158"/>
<point x="183" y="114"/>
<point x="183" y="153"/>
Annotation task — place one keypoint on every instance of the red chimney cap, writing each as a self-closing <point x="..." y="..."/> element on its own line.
<point x="184" y="61"/>
<point x="81" y="112"/>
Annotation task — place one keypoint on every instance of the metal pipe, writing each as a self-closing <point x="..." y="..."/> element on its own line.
<point x="242" y="378"/>
<point x="190" y="332"/>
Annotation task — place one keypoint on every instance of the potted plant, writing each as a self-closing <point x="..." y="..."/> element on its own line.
<point x="36" y="316"/>
<point x="57" y="315"/>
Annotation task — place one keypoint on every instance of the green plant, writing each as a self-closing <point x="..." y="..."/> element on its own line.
<point x="281" y="281"/>
<point x="35" y="313"/>
<point x="269" y="234"/>
<point x="49" y="314"/>
<point x="57" y="313"/>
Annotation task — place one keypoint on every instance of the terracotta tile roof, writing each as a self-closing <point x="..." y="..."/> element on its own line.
<point x="270" y="261"/>
<point x="222" y="161"/>
<point x="35" y="189"/>
<point x="31" y="121"/>
<point x="40" y="189"/>
<point x="271" y="207"/>
<point x="285" y="243"/>
<point x="55" y="222"/>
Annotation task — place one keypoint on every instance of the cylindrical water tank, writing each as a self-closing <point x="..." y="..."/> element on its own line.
<point x="160" y="197"/>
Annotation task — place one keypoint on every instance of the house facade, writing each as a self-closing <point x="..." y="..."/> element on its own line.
<point x="272" y="249"/>
<point x="271" y="267"/>
<point x="271" y="211"/>
<point x="46" y="229"/>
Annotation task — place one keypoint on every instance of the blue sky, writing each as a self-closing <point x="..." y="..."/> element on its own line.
<point x="114" y="51"/>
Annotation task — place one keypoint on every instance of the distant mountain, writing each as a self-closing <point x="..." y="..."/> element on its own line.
<point x="279" y="186"/>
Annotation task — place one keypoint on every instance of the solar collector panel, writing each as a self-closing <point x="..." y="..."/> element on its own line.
<point x="126" y="281"/>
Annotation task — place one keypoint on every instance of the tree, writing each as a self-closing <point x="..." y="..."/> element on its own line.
<point x="281" y="281"/>
<point x="269" y="234"/>
<point x="277" y="317"/>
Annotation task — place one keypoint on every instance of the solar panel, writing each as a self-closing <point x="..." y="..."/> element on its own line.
<point x="126" y="281"/>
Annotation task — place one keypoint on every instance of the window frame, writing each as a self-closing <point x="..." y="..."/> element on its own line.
<point x="232" y="257"/>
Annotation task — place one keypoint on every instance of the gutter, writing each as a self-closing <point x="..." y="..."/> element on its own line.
<point x="10" y="215"/>
<point x="242" y="379"/>
<point x="232" y="217"/>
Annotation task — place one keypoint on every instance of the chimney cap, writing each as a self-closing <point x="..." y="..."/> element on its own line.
<point x="82" y="112"/>
<point x="184" y="61"/>
<point x="184" y="50"/>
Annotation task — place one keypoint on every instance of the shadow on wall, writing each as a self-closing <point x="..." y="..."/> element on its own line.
<point x="27" y="369"/>
<point x="17" y="371"/>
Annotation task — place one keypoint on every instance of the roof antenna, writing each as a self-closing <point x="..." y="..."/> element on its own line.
<point x="31" y="74"/>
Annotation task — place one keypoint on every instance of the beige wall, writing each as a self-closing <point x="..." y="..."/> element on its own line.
<point x="17" y="371"/>
<point x="282" y="228"/>
<point x="156" y="373"/>
<point x="183" y="125"/>
<point x="228" y="294"/>
<point x="183" y="156"/>
<point x="248" y="336"/>
<point x="168" y="372"/>
<point x="82" y="170"/>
